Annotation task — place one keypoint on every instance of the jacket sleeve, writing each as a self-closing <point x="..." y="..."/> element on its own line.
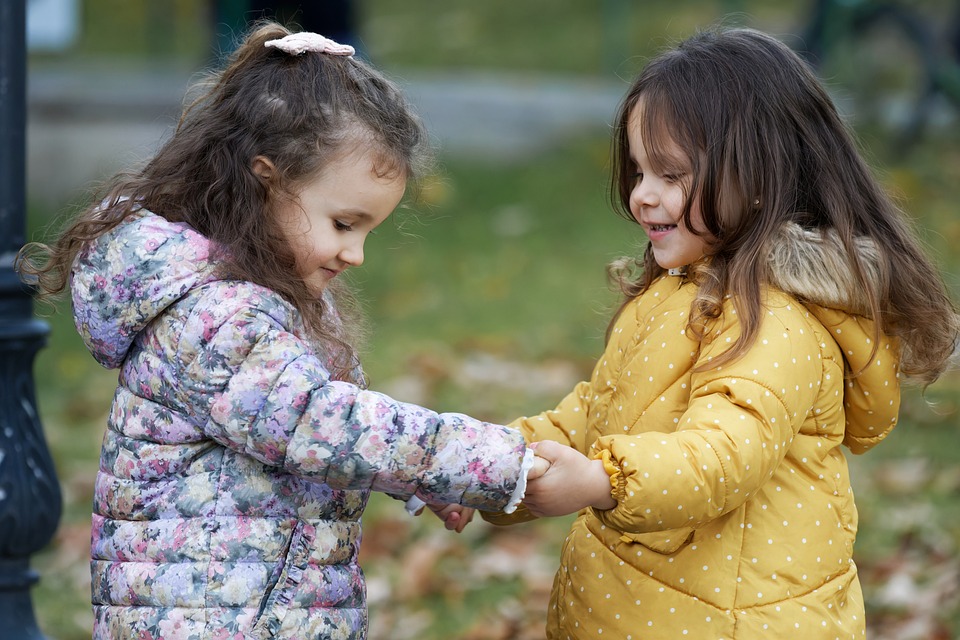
<point x="740" y="420"/>
<point x="262" y="391"/>
<point x="565" y="424"/>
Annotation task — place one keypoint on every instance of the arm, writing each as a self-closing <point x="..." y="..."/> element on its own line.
<point x="265" y="394"/>
<point x="734" y="433"/>
<point x="565" y="425"/>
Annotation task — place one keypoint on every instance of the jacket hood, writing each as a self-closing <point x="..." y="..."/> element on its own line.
<point x="124" y="279"/>
<point x="813" y="267"/>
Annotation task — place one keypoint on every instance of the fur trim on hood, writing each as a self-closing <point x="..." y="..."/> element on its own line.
<point x="813" y="266"/>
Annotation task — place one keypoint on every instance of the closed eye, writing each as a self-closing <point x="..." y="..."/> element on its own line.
<point x="341" y="226"/>
<point x="674" y="177"/>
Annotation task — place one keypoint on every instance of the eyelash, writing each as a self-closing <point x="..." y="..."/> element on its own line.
<point x="341" y="226"/>
<point x="672" y="177"/>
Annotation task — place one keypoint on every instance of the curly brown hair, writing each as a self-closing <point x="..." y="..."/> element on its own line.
<point x="300" y="112"/>
<point x="767" y="148"/>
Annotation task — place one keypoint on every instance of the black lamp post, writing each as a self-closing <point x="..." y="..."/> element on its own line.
<point x="30" y="502"/>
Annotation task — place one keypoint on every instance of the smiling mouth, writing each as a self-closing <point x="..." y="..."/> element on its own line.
<point x="662" y="227"/>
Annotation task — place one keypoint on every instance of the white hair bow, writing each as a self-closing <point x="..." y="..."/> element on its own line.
<point x="297" y="43"/>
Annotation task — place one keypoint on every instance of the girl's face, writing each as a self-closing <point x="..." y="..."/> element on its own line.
<point x="331" y="215"/>
<point x="658" y="197"/>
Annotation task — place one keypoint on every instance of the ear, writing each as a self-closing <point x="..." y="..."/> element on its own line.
<point x="263" y="168"/>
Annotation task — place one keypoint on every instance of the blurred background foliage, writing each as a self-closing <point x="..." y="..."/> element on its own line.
<point x="487" y="295"/>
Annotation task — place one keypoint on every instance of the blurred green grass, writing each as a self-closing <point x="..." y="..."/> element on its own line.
<point x="488" y="296"/>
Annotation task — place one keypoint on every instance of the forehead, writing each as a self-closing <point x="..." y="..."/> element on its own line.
<point x="356" y="163"/>
<point x="649" y="135"/>
<point x="352" y="183"/>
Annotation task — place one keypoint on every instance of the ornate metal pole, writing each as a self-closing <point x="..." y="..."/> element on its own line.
<point x="30" y="502"/>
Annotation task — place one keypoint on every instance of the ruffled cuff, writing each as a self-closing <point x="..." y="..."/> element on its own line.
<point x="414" y="505"/>
<point x="617" y="481"/>
<point x="517" y="496"/>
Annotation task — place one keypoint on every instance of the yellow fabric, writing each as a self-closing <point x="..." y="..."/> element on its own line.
<point x="613" y="470"/>
<point x="735" y="515"/>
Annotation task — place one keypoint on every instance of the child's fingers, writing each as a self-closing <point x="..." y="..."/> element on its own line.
<point x="549" y="449"/>
<point x="455" y="517"/>
<point x="455" y="522"/>
<point x="540" y="466"/>
<point x="458" y="520"/>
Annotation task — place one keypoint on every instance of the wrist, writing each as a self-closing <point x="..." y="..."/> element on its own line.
<point x="521" y="488"/>
<point x="601" y="489"/>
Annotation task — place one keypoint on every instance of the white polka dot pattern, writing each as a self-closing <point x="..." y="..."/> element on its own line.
<point x="735" y="514"/>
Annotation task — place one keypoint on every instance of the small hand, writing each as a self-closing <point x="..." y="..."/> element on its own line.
<point x="455" y="517"/>
<point x="570" y="482"/>
<point x="540" y="466"/>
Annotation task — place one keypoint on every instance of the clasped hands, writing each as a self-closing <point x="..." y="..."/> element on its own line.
<point x="561" y="481"/>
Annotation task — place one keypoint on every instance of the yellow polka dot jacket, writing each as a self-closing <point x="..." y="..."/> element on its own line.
<point x="735" y="516"/>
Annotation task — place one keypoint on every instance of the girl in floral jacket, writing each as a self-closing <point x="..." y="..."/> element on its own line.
<point x="780" y="299"/>
<point x="242" y="445"/>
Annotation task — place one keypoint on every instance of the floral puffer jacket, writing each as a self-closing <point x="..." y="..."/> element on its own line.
<point x="234" y="471"/>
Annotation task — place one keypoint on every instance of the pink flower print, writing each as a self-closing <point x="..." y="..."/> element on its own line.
<point x="245" y="620"/>
<point x="201" y="250"/>
<point x="229" y="292"/>
<point x="175" y="626"/>
<point x="474" y="436"/>
<point x="372" y="447"/>
<point x="480" y="470"/>
<point x="272" y="453"/>
<point x="209" y="328"/>
<point x="329" y="432"/>
<point x="299" y="401"/>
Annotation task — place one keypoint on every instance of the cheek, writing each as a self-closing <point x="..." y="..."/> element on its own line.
<point x="696" y="216"/>
<point x="307" y="249"/>
<point x="292" y="223"/>
<point x="635" y="202"/>
<point x="635" y="210"/>
<point x="678" y="197"/>
<point x="298" y="240"/>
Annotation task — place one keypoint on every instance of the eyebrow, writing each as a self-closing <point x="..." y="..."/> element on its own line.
<point x="357" y="213"/>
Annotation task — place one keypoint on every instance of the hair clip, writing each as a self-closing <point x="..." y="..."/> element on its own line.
<point x="297" y="43"/>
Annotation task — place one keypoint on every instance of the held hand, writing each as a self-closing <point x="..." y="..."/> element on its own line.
<point x="570" y="482"/>
<point x="455" y="517"/>
<point x="540" y="466"/>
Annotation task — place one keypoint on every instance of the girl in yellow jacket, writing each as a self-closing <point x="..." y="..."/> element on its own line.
<point x="779" y="302"/>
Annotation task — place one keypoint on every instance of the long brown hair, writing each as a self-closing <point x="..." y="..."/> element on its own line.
<point x="300" y="112"/>
<point x="767" y="147"/>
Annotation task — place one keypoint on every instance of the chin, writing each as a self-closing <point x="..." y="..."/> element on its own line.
<point x="667" y="264"/>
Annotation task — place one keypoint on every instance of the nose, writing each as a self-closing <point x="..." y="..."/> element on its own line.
<point x="352" y="254"/>
<point x="643" y="196"/>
